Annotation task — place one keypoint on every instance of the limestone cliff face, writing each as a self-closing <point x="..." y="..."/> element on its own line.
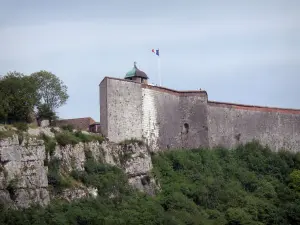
<point x="133" y="158"/>
<point x="23" y="168"/>
<point x="23" y="176"/>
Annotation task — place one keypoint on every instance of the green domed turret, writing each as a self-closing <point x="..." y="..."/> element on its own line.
<point x="135" y="73"/>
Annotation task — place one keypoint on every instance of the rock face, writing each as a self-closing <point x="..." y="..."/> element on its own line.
<point x="133" y="158"/>
<point x="23" y="175"/>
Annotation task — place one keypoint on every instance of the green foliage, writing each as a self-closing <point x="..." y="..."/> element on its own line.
<point x="66" y="138"/>
<point x="248" y="185"/>
<point x="295" y="180"/>
<point x="18" y="94"/>
<point x="45" y="112"/>
<point x="70" y="138"/>
<point x="49" y="143"/>
<point x="51" y="90"/>
<point x="6" y="134"/>
<point x="68" y="127"/>
<point x="132" y="141"/>
<point x="56" y="180"/>
<point x="21" y="126"/>
<point x="88" y="137"/>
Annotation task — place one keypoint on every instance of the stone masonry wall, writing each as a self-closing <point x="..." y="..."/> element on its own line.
<point x="161" y="119"/>
<point x="194" y="121"/>
<point x="103" y="107"/>
<point x="157" y="115"/>
<point x="231" y="124"/>
<point x="122" y="111"/>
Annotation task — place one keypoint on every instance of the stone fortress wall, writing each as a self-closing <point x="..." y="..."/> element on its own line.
<point x="166" y="118"/>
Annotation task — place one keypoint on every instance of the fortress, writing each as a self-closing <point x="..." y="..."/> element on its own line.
<point x="165" y="118"/>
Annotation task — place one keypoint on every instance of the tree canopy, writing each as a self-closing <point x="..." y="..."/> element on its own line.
<point x="21" y="95"/>
<point x="51" y="90"/>
<point x="18" y="97"/>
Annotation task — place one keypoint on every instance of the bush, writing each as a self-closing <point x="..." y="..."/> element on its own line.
<point x="132" y="141"/>
<point x="49" y="143"/>
<point x="21" y="126"/>
<point x="68" y="127"/>
<point x="66" y="138"/>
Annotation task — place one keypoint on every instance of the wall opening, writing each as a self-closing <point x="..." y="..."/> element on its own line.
<point x="186" y="128"/>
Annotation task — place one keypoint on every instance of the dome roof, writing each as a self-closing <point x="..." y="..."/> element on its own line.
<point x="135" y="72"/>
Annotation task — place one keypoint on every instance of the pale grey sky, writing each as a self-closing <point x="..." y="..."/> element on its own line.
<point x="239" y="51"/>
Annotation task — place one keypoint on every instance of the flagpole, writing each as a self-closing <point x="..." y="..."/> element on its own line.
<point x="158" y="70"/>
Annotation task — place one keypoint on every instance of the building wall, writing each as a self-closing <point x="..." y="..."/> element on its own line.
<point x="165" y="118"/>
<point x="231" y="124"/>
<point x="103" y="107"/>
<point x="122" y="112"/>
<point x="154" y="114"/>
<point x="161" y="118"/>
<point x="193" y="110"/>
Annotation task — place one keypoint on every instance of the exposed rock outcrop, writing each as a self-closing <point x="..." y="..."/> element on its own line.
<point x="134" y="158"/>
<point x="23" y="167"/>
<point x="23" y="176"/>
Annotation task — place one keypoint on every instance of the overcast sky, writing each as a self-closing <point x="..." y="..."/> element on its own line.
<point x="238" y="51"/>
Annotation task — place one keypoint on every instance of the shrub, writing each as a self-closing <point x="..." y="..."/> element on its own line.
<point x="21" y="126"/>
<point x="49" y="143"/>
<point x="83" y="137"/>
<point x="68" y="127"/>
<point x="131" y="141"/>
<point x="66" y="138"/>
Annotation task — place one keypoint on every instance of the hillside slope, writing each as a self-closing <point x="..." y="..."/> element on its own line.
<point x="247" y="185"/>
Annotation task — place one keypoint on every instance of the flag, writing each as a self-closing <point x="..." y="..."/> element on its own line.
<point x="156" y="51"/>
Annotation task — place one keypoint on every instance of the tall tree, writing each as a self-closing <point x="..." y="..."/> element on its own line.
<point x="51" y="90"/>
<point x="18" y="96"/>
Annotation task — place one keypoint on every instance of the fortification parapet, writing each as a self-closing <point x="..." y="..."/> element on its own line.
<point x="165" y="118"/>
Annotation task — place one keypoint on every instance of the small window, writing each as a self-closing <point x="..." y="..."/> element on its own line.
<point x="186" y="128"/>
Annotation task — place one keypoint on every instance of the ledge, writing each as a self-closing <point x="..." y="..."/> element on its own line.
<point x="164" y="89"/>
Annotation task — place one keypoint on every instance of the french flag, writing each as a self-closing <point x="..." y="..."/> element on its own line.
<point x="156" y="51"/>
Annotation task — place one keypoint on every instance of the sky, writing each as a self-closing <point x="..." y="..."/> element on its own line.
<point x="238" y="51"/>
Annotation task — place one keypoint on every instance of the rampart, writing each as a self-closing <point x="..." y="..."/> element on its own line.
<point x="166" y="118"/>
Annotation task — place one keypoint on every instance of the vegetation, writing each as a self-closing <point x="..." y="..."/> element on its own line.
<point x="50" y="144"/>
<point x="72" y="138"/>
<point x="45" y="112"/>
<point x="20" y="95"/>
<point x="21" y="126"/>
<point x="248" y="185"/>
<point x="132" y="141"/>
<point x="51" y="90"/>
<point x="6" y="134"/>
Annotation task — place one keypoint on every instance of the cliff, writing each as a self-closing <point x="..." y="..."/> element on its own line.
<point x="28" y="170"/>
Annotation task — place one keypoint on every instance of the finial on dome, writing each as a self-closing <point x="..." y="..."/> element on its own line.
<point x="134" y="64"/>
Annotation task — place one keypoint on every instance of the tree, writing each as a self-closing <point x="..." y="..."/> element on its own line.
<point x="51" y="90"/>
<point x="44" y="112"/>
<point x="18" y="96"/>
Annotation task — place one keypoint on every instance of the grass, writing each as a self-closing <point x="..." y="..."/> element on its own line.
<point x="21" y="126"/>
<point x="6" y="134"/>
<point x="69" y="138"/>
